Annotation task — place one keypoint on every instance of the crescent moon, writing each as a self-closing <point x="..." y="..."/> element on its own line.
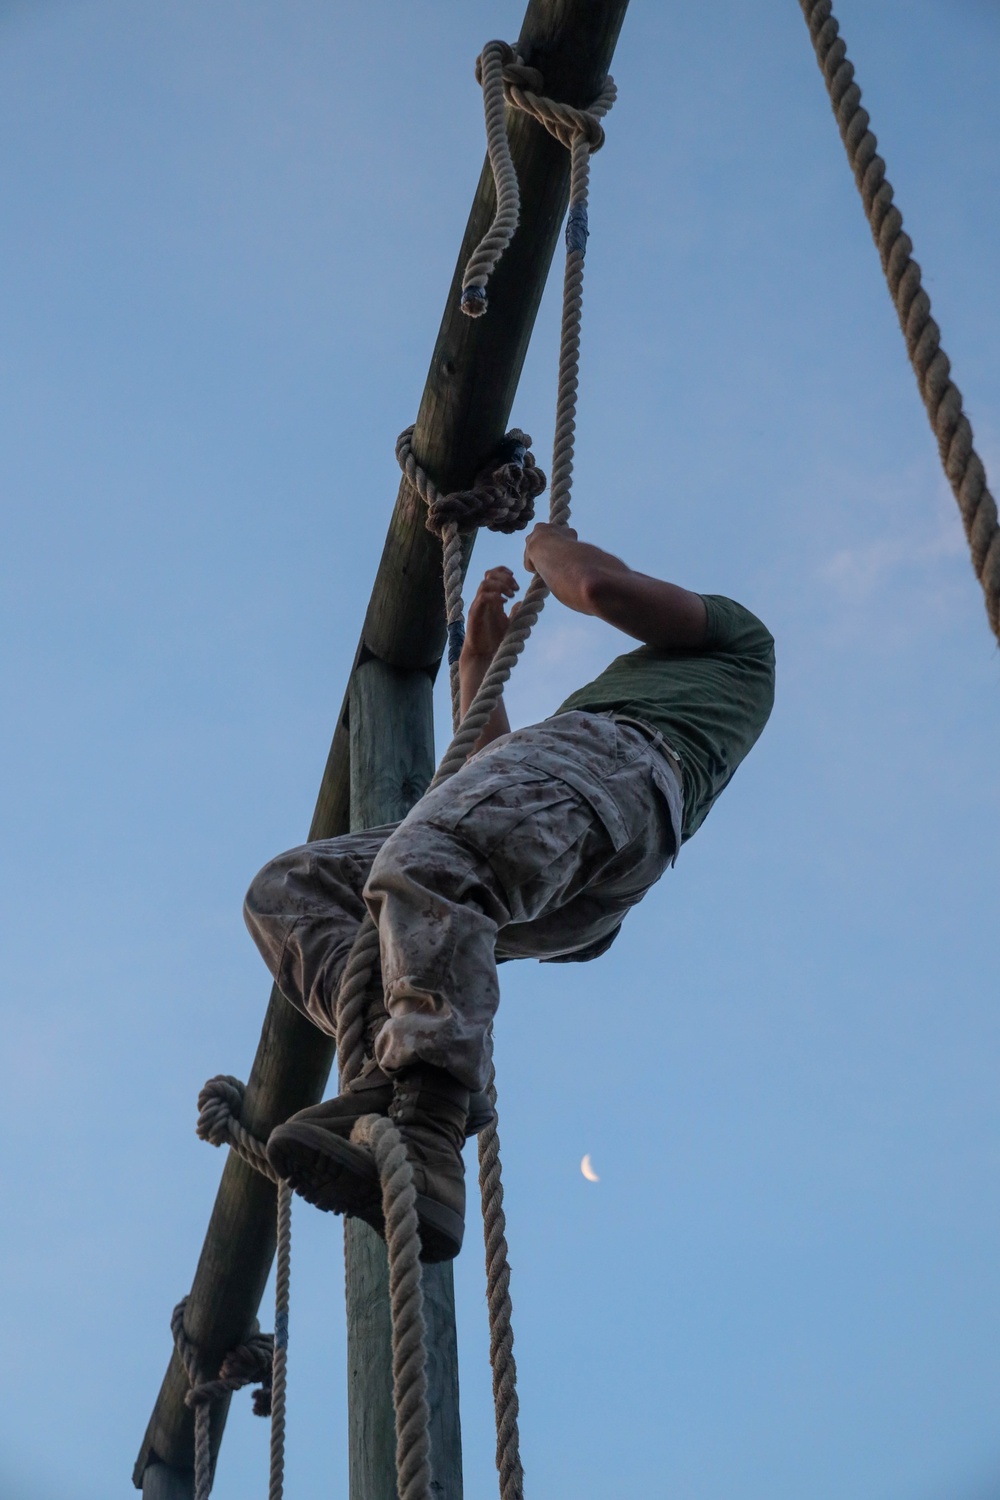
<point x="587" y="1169"/>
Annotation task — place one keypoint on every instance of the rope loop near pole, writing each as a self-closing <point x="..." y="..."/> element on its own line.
<point x="506" y="81"/>
<point x="941" y="396"/>
<point x="247" y="1364"/>
<point x="501" y="497"/>
<point x="220" y="1104"/>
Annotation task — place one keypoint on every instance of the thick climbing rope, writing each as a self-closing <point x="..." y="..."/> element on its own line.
<point x="406" y="1303"/>
<point x="505" y="81"/>
<point x="941" y="396"/>
<point x="220" y="1105"/>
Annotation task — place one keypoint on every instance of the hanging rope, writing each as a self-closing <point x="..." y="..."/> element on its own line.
<point x="406" y="1303"/>
<point x="505" y="81"/>
<point x="932" y="367"/>
<point x="220" y="1105"/>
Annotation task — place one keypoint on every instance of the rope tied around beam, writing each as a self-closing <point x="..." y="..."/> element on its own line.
<point x="502" y="498"/>
<point x="506" y="81"/>
<point x="247" y="1364"/>
<point x="941" y="396"/>
<point x="220" y="1105"/>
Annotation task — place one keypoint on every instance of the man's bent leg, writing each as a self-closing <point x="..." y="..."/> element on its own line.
<point x="438" y="906"/>
<point x="303" y="910"/>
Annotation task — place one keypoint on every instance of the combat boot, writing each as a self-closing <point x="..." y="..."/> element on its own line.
<point x="430" y="1110"/>
<point x="313" y="1150"/>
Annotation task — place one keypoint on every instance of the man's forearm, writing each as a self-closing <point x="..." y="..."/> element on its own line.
<point x="594" y="582"/>
<point x="471" y="671"/>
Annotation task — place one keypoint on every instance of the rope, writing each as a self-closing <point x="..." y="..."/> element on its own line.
<point x="279" y="1372"/>
<point x="247" y="1364"/>
<point x="406" y="1301"/>
<point x="219" y="1107"/>
<point x="502" y="498"/>
<point x="220" y="1104"/>
<point x="932" y="367"/>
<point x="502" y="1362"/>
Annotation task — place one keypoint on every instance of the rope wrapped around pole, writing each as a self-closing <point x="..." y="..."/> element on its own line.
<point x="219" y="1107"/>
<point x="941" y="396"/>
<point x="247" y="1364"/>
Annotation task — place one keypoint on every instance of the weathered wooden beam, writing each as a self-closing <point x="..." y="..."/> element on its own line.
<point x="462" y="415"/>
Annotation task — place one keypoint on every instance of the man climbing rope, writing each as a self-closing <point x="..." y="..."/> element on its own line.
<point x="537" y="848"/>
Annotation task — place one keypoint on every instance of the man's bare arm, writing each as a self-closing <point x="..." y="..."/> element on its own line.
<point x="594" y="582"/>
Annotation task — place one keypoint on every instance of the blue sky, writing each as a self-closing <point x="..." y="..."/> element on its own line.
<point x="227" y="233"/>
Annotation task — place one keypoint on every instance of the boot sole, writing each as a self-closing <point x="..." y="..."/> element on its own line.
<point x="341" y="1178"/>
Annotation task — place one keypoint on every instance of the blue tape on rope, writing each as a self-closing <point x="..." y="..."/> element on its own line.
<point x="281" y="1330"/>
<point x="456" y="640"/>
<point x="474" y="297"/>
<point x="577" y="229"/>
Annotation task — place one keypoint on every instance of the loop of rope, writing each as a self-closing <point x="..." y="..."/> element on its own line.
<point x="219" y="1106"/>
<point x="501" y="497"/>
<point x="406" y="1303"/>
<point x="506" y="81"/>
<point x="247" y="1364"/>
<point x="941" y="396"/>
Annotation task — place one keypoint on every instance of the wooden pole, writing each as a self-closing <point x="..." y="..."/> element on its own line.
<point x="391" y="728"/>
<point x="463" y="413"/>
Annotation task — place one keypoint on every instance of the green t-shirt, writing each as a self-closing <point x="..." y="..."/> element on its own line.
<point x="709" y="704"/>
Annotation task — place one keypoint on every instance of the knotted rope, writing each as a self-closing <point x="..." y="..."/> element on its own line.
<point x="932" y="367"/>
<point x="220" y="1105"/>
<point x="505" y="81"/>
<point x="247" y="1364"/>
<point x="502" y="498"/>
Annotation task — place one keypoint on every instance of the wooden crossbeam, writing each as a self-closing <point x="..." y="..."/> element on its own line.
<point x="463" y="413"/>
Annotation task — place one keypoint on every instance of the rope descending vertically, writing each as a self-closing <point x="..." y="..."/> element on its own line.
<point x="279" y="1372"/>
<point x="502" y="1362"/>
<point x="406" y="1304"/>
<point x="941" y="396"/>
<point x="220" y="1104"/>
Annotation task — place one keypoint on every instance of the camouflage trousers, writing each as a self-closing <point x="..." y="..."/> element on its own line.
<point x="537" y="848"/>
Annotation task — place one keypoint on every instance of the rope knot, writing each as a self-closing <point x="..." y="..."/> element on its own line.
<point x="507" y="80"/>
<point x="219" y="1103"/>
<point x="220" y="1107"/>
<point x="250" y="1363"/>
<point x="501" y="497"/>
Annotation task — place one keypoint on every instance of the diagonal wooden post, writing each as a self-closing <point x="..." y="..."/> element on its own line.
<point x="463" y="413"/>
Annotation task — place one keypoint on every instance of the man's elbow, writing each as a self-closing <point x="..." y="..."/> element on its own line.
<point x="600" y="592"/>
